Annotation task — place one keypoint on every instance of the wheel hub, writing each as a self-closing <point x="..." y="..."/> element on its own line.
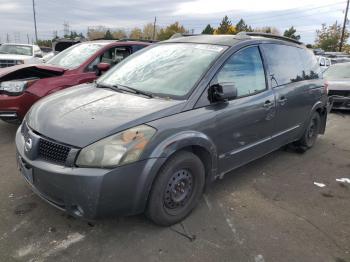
<point x="179" y="189"/>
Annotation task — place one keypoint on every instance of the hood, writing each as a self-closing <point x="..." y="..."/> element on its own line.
<point x="20" y="68"/>
<point x="340" y="85"/>
<point x="14" y="57"/>
<point x="84" y="114"/>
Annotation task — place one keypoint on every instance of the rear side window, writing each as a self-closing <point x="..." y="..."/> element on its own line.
<point x="285" y="63"/>
<point x="245" y="70"/>
<point x="312" y="69"/>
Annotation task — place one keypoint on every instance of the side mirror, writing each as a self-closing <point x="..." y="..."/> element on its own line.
<point x="103" y="67"/>
<point x="222" y="92"/>
<point x="322" y="63"/>
<point x="38" y="55"/>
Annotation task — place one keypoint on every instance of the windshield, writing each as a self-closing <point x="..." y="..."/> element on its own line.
<point x="75" y="55"/>
<point x="16" y="50"/>
<point x="169" y="70"/>
<point x="338" y="71"/>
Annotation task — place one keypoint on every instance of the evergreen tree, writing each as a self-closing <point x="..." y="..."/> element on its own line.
<point x="291" y="33"/>
<point x="208" y="30"/>
<point x="225" y="26"/>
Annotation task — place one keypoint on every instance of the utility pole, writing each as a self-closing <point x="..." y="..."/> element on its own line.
<point x="7" y="38"/>
<point x="28" y="38"/>
<point x="36" y="31"/>
<point x="344" y="27"/>
<point x="65" y="28"/>
<point x="154" y="28"/>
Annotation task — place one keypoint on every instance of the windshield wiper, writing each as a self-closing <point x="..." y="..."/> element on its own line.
<point x="134" y="90"/>
<point x="125" y="88"/>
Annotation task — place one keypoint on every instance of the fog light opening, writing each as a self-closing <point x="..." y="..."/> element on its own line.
<point x="77" y="210"/>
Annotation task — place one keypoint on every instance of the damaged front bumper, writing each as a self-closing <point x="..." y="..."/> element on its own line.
<point x="14" y="108"/>
<point x="88" y="193"/>
<point x="340" y="102"/>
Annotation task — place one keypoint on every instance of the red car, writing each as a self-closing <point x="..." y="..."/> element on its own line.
<point x="21" y="86"/>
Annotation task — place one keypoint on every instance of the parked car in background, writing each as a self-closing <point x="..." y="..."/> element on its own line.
<point x="21" y="86"/>
<point x="152" y="132"/>
<point x="324" y="62"/>
<point x="338" y="77"/>
<point x="17" y="54"/>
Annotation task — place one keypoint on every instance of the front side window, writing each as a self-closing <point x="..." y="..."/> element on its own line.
<point x="168" y="70"/>
<point x="16" y="50"/>
<point x="245" y="71"/>
<point x="75" y="55"/>
<point x="112" y="56"/>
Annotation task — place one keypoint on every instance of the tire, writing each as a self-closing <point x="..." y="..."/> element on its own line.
<point x="309" y="137"/>
<point x="177" y="189"/>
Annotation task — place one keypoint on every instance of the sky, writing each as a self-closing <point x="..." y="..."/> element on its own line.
<point x="16" y="16"/>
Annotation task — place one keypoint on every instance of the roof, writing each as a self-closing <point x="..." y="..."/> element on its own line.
<point x="121" y="42"/>
<point x="230" y="40"/>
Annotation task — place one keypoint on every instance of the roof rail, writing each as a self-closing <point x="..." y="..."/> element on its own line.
<point x="138" y="40"/>
<point x="270" y="36"/>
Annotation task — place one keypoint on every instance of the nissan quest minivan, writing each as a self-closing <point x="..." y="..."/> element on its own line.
<point x="153" y="132"/>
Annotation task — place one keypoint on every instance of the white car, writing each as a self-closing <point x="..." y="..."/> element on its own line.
<point x="16" y="54"/>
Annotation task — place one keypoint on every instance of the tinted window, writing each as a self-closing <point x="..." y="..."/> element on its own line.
<point x="285" y="63"/>
<point x="245" y="70"/>
<point x="311" y="68"/>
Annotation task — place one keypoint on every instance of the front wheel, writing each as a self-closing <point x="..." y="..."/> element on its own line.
<point x="311" y="133"/>
<point x="177" y="189"/>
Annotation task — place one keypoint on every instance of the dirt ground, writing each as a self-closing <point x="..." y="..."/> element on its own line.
<point x="269" y="210"/>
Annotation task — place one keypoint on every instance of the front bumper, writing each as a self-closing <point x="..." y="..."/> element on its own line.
<point x="90" y="193"/>
<point x="14" y="108"/>
<point x="340" y="102"/>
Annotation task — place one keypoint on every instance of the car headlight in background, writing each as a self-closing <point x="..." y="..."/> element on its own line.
<point x="122" y="148"/>
<point x="19" y="62"/>
<point x="13" y="87"/>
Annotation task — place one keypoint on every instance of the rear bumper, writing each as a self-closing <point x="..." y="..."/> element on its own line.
<point x="14" y="108"/>
<point x="340" y="102"/>
<point x="88" y="193"/>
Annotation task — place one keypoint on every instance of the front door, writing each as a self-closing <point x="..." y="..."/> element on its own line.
<point x="244" y="125"/>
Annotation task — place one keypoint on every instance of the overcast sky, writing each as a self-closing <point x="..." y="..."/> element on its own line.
<point x="16" y="16"/>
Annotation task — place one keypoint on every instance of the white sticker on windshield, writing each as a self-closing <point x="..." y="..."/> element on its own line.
<point x="213" y="48"/>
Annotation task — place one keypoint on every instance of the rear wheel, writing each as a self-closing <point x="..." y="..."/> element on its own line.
<point x="310" y="135"/>
<point x="177" y="189"/>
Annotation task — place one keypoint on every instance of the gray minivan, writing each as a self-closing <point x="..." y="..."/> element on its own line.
<point x="159" y="127"/>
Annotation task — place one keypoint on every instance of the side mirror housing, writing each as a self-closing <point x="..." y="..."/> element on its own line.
<point x="103" y="67"/>
<point x="222" y="92"/>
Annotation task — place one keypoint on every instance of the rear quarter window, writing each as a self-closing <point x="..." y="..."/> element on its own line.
<point x="288" y="64"/>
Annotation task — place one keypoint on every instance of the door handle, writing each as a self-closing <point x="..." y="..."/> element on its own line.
<point x="268" y="104"/>
<point x="282" y="100"/>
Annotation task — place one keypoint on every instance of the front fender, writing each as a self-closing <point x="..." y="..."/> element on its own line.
<point x="159" y="154"/>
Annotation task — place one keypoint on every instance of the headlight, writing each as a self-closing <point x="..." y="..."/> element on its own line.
<point x="13" y="87"/>
<point x="19" y="62"/>
<point x="122" y="148"/>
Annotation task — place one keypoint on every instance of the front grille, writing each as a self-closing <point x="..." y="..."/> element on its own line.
<point x="339" y="93"/>
<point x="53" y="152"/>
<point x="7" y="63"/>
